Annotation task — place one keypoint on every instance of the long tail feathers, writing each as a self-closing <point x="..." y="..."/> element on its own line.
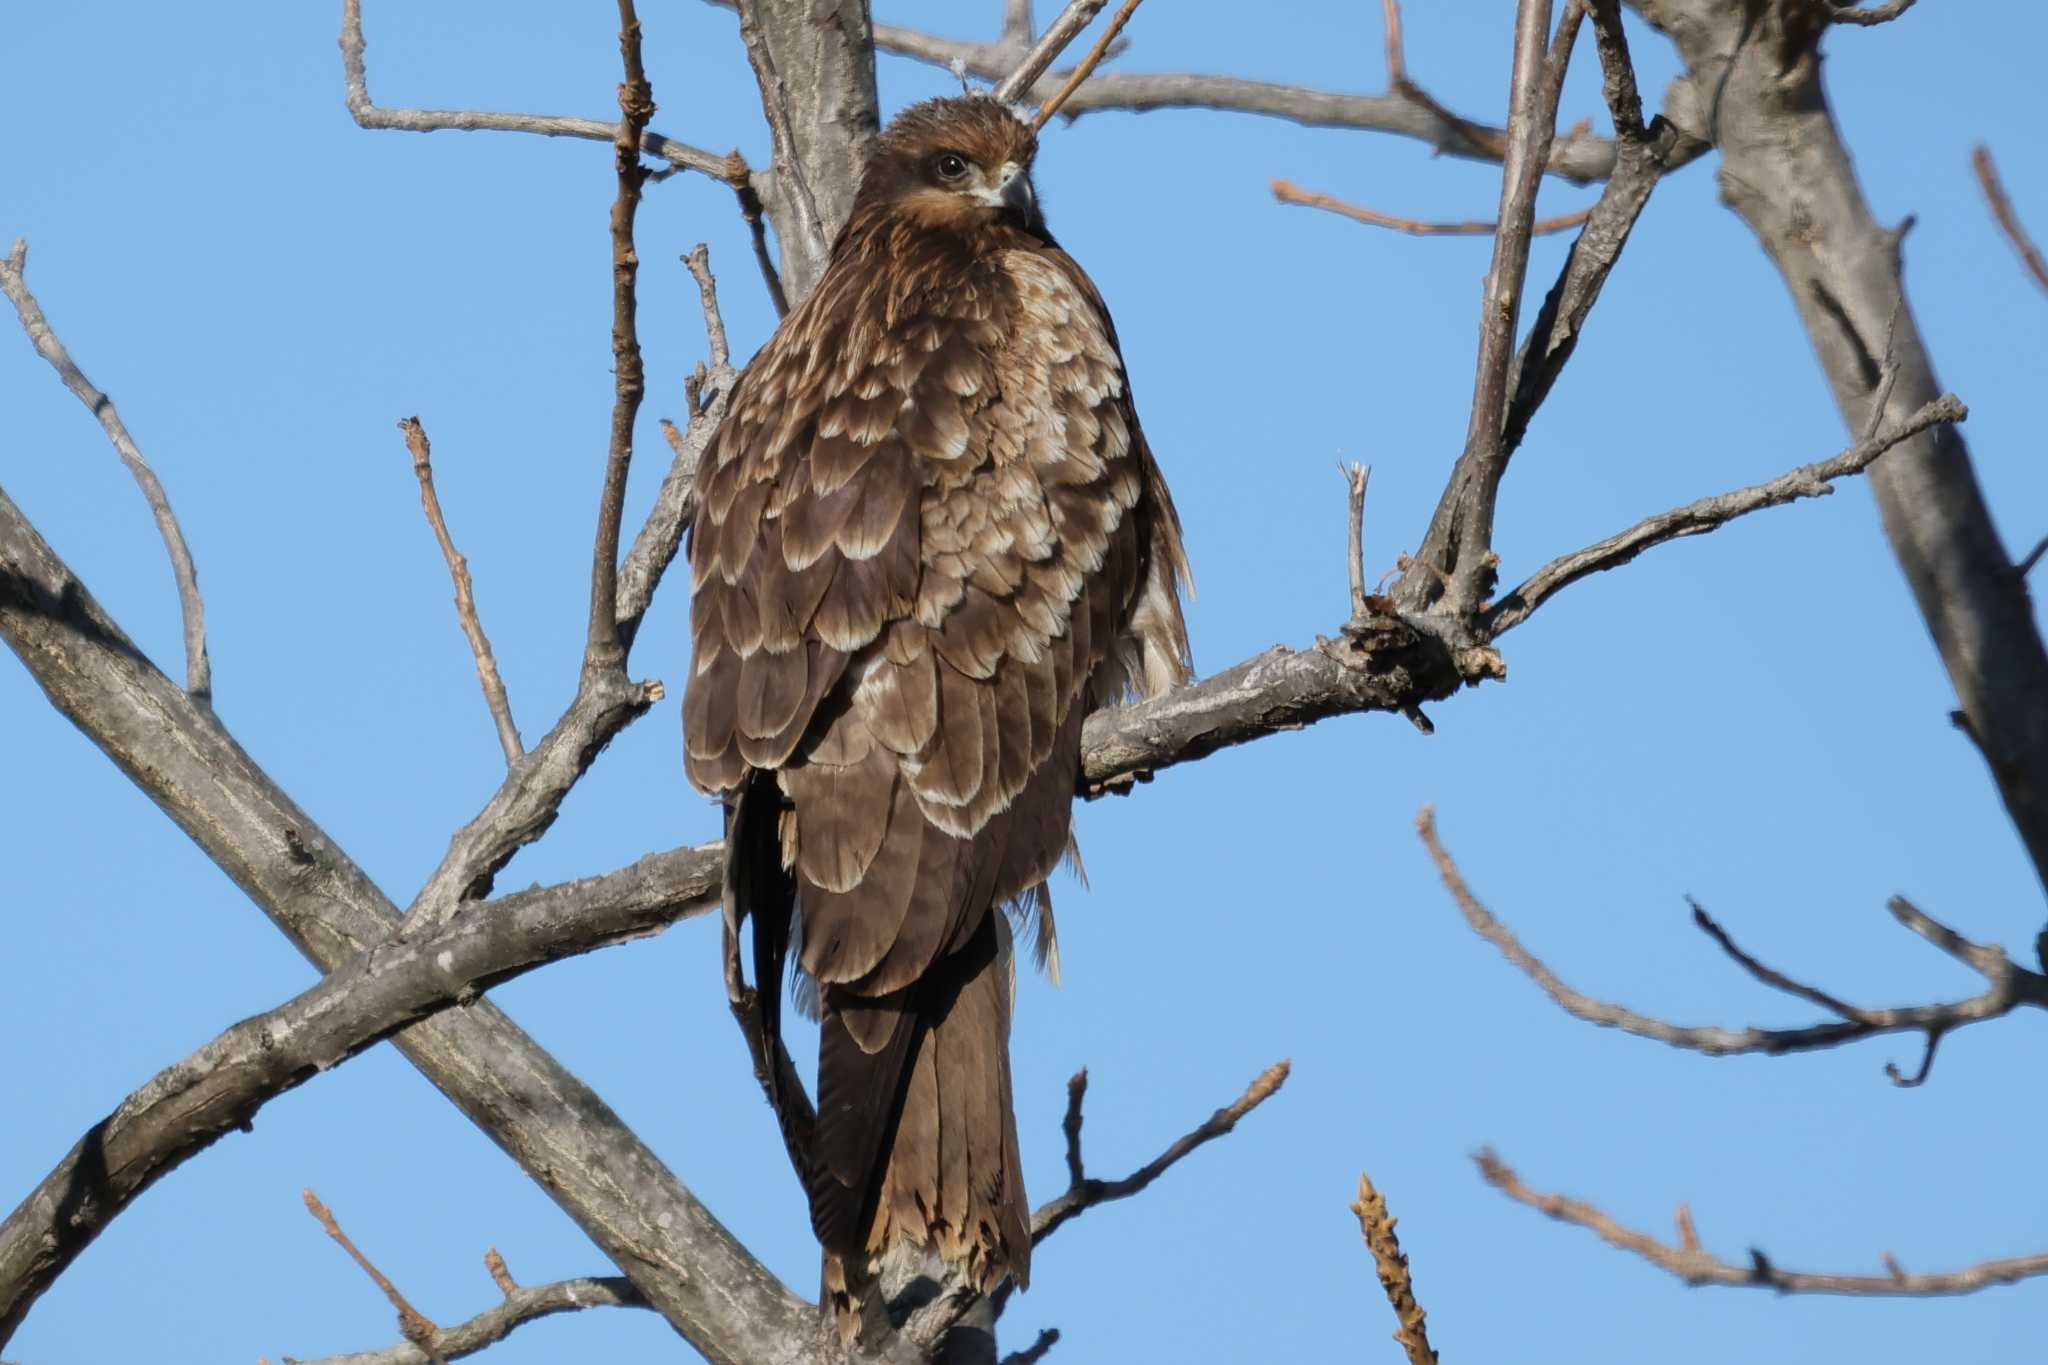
<point x="917" y="1139"/>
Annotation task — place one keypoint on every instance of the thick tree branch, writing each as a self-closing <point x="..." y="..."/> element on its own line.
<point x="1785" y="170"/>
<point x="521" y="1305"/>
<point x="1708" y="514"/>
<point x="217" y="1090"/>
<point x="1376" y="1225"/>
<point x="1690" y="1263"/>
<point x="821" y="55"/>
<point x="799" y="202"/>
<point x="1642" y="158"/>
<point x="2009" y="985"/>
<point x="192" y="607"/>
<point x="465" y="593"/>
<point x="689" y="1267"/>
<point x="369" y="114"/>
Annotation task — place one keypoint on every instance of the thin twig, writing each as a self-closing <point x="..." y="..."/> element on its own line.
<point x="465" y="596"/>
<point x="1377" y="1227"/>
<point x="2033" y="557"/>
<point x="493" y="1325"/>
<point x="1087" y="66"/>
<point x="14" y="283"/>
<point x="1356" y="478"/>
<point x="1086" y="1192"/>
<point x="1707" y="514"/>
<point x="416" y="1326"/>
<point x="1070" y="1126"/>
<point x="1397" y="62"/>
<point x="1287" y="192"/>
<point x="1061" y="31"/>
<point x="2008" y="985"/>
<point x="1874" y="15"/>
<point x="369" y="114"/>
<point x="755" y="215"/>
<point x="662" y="533"/>
<point x="2002" y="210"/>
<point x="1035" y="1352"/>
<point x="1697" y="1267"/>
<point x="930" y="1323"/>
<point x="501" y="1274"/>
<point x="604" y="647"/>
<point x="698" y="262"/>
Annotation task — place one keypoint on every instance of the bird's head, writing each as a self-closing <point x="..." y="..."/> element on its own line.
<point x="962" y="164"/>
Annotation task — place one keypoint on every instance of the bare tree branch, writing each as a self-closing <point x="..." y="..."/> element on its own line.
<point x="1085" y="69"/>
<point x="1708" y="514"/>
<point x="1456" y="557"/>
<point x="1058" y="34"/>
<point x="1087" y="1192"/>
<point x="2002" y="209"/>
<point x="1036" y="1351"/>
<point x="661" y="536"/>
<point x="1846" y="13"/>
<point x="1581" y="159"/>
<point x="820" y="54"/>
<point x="465" y="594"/>
<point x="2009" y="985"/>
<point x="1786" y="172"/>
<point x="493" y="1325"/>
<point x="775" y="105"/>
<point x="1391" y="1263"/>
<point x="14" y="283"/>
<point x="1287" y="192"/>
<point x="1643" y="156"/>
<point x="369" y="114"/>
<point x="928" y="1325"/>
<point x="190" y="1105"/>
<point x="605" y="647"/>
<point x="1697" y="1267"/>
<point x="415" y="1326"/>
<point x="686" y="1263"/>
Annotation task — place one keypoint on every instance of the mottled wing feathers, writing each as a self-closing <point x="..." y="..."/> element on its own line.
<point x="929" y="539"/>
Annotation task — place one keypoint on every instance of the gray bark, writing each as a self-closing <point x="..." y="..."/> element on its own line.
<point x="560" y="1132"/>
<point x="1755" y="80"/>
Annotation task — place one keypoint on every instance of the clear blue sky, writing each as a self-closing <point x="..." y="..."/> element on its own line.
<point x="1755" y="718"/>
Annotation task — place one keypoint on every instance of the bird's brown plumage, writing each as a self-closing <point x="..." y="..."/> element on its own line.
<point x="930" y="538"/>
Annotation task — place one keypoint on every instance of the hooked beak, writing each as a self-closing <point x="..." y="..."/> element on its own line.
<point x="1013" y="190"/>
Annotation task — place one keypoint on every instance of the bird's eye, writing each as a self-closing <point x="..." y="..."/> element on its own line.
<point x="950" y="165"/>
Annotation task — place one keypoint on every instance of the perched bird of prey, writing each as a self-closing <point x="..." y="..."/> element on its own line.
<point x="929" y="540"/>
